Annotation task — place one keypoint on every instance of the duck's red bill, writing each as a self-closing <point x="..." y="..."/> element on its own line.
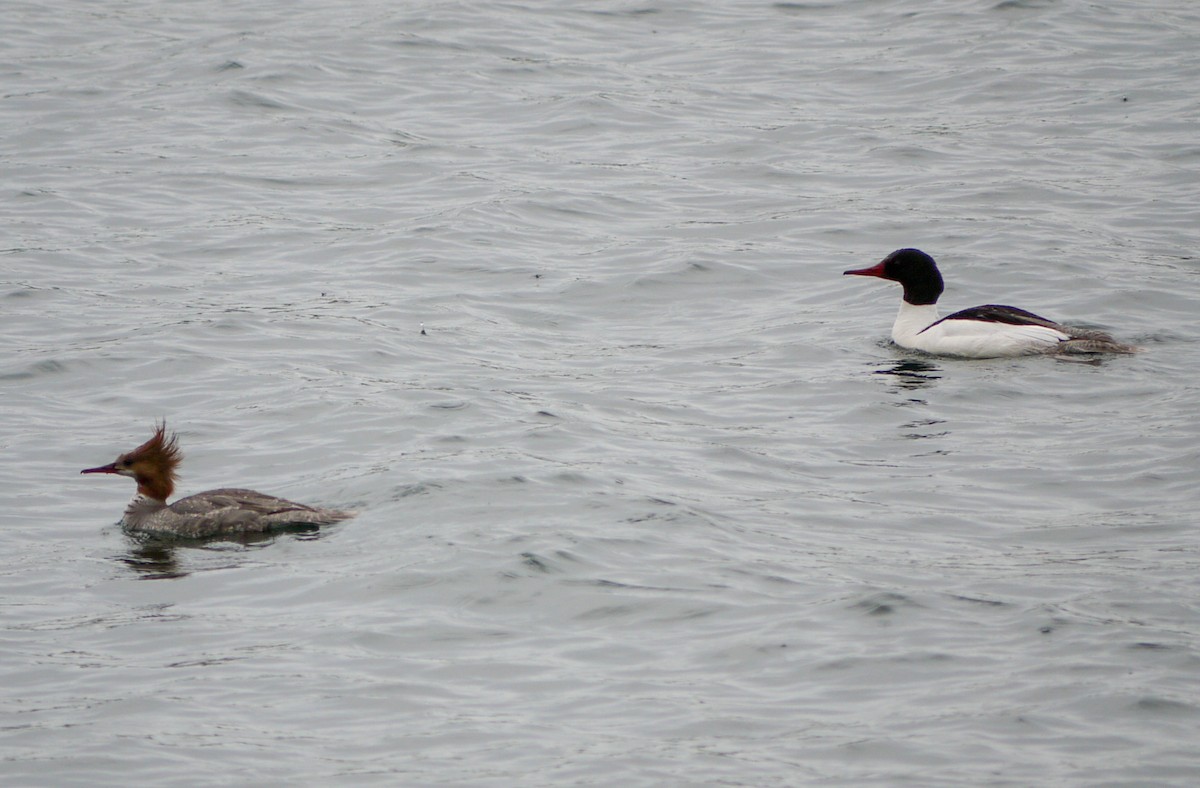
<point x="875" y="270"/>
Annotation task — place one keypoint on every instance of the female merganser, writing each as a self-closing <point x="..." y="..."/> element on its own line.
<point x="212" y="513"/>
<point x="988" y="331"/>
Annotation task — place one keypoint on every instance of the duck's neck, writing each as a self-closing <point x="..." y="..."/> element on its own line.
<point x="142" y="508"/>
<point x="911" y="320"/>
<point x="157" y="486"/>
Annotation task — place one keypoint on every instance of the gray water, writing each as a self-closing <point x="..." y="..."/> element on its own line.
<point x="653" y="500"/>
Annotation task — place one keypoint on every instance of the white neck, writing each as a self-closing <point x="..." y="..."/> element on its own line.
<point x="911" y="320"/>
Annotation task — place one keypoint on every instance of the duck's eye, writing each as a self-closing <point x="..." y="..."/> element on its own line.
<point x="126" y="463"/>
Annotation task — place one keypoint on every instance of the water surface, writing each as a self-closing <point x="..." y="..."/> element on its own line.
<point x="652" y="500"/>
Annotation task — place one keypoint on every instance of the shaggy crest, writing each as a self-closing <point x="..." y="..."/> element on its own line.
<point x="161" y="453"/>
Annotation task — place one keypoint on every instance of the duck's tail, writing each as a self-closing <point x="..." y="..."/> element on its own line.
<point x="1088" y="340"/>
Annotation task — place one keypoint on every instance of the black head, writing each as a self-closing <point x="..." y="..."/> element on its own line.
<point x="913" y="269"/>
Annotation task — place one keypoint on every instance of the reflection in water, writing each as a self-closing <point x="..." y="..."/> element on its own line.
<point x="925" y="428"/>
<point x="912" y="373"/>
<point x="155" y="558"/>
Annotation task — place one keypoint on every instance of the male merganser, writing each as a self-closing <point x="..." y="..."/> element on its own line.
<point x="212" y="513"/>
<point x="988" y="331"/>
